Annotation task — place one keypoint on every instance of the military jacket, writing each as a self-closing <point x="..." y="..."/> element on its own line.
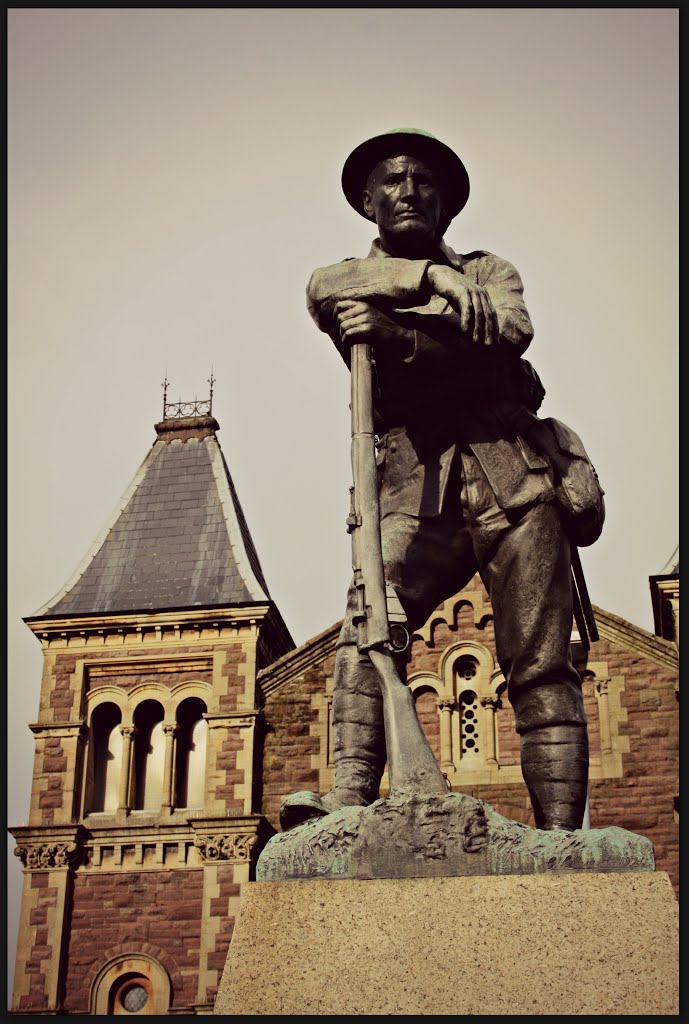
<point x="443" y="395"/>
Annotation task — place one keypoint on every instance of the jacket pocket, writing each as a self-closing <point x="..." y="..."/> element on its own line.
<point x="516" y="473"/>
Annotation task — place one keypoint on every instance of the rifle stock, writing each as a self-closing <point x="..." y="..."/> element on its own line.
<point x="412" y="765"/>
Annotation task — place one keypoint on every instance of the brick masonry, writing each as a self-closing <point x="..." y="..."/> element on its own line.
<point x="43" y="947"/>
<point x="228" y="890"/>
<point x="127" y="912"/>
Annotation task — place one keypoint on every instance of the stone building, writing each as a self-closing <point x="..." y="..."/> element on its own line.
<point x="175" y="714"/>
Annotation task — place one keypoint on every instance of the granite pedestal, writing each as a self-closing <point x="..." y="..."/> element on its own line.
<point x="570" y="943"/>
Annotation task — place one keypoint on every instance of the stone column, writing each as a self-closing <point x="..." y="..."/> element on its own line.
<point x="491" y="703"/>
<point x="604" y="716"/>
<point x="40" y="966"/>
<point x="168" y="770"/>
<point x="128" y="733"/>
<point x="445" y="706"/>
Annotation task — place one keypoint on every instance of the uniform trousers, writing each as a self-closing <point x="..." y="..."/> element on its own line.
<point x="523" y="557"/>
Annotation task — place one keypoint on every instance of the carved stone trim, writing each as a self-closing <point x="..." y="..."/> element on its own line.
<point x="235" y="847"/>
<point x="449" y="611"/>
<point x="602" y="686"/>
<point x="48" y="855"/>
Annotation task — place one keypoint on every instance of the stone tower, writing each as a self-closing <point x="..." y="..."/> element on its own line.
<point x="145" y="802"/>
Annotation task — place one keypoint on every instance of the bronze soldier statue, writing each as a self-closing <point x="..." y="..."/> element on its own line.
<point x="470" y="478"/>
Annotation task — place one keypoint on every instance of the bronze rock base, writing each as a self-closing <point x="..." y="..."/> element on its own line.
<point x="433" y="836"/>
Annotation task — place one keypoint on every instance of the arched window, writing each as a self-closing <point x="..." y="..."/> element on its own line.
<point x="149" y="756"/>
<point x="468" y="724"/>
<point x="190" y="765"/>
<point x="106" y="754"/>
<point x="133" y="983"/>
<point x="466" y="668"/>
<point x="466" y="671"/>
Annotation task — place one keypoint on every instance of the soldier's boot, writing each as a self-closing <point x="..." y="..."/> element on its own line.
<point x="555" y="769"/>
<point x="359" y="743"/>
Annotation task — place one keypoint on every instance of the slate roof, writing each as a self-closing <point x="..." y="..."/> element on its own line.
<point x="177" y="539"/>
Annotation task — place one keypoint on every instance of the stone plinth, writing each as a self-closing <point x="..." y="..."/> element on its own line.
<point x="577" y="943"/>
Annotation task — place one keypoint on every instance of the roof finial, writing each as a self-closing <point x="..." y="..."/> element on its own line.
<point x="184" y="410"/>
<point x="211" y="381"/>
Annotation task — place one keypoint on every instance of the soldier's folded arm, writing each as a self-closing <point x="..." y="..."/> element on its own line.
<point x="393" y="282"/>
<point x="443" y="338"/>
<point x="489" y="309"/>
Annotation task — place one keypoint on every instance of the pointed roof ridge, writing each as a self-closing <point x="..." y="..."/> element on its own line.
<point x="240" y="538"/>
<point x="102" y="535"/>
<point x="177" y="537"/>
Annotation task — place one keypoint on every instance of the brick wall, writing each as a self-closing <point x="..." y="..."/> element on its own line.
<point x="227" y="763"/>
<point x="45" y="944"/>
<point x="233" y="697"/>
<point x="227" y="889"/>
<point x="128" y="913"/>
<point x="642" y="800"/>
<point x="288" y="745"/>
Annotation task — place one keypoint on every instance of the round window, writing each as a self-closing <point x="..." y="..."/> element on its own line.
<point x="134" y="998"/>
<point x="133" y="994"/>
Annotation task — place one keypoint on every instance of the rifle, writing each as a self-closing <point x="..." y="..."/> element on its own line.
<point x="379" y="616"/>
<point x="583" y="612"/>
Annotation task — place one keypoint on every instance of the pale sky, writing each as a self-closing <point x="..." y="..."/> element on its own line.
<point x="173" y="181"/>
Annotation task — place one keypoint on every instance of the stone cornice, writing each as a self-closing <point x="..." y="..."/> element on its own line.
<point x="229" y="719"/>
<point x="299" y="660"/>
<point x="59" y="729"/>
<point x="47" y="833"/>
<point x="151" y="663"/>
<point x="237" y="615"/>
<point x="634" y="638"/>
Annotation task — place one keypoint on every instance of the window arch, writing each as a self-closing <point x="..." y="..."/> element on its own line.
<point x="149" y="756"/>
<point x="131" y="984"/>
<point x="106" y="759"/>
<point x="190" y="760"/>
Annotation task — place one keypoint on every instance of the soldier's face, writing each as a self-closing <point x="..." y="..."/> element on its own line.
<point x="403" y="198"/>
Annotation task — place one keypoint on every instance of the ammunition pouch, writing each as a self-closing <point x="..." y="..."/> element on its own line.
<point x="577" y="488"/>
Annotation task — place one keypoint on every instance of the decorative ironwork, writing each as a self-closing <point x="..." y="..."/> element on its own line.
<point x="182" y="410"/>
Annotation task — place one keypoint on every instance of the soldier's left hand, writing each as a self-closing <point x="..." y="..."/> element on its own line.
<point x="359" y="321"/>
<point x="478" y="319"/>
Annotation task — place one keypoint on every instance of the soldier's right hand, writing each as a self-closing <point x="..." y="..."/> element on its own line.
<point x="478" y="319"/>
<point x="360" y="321"/>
